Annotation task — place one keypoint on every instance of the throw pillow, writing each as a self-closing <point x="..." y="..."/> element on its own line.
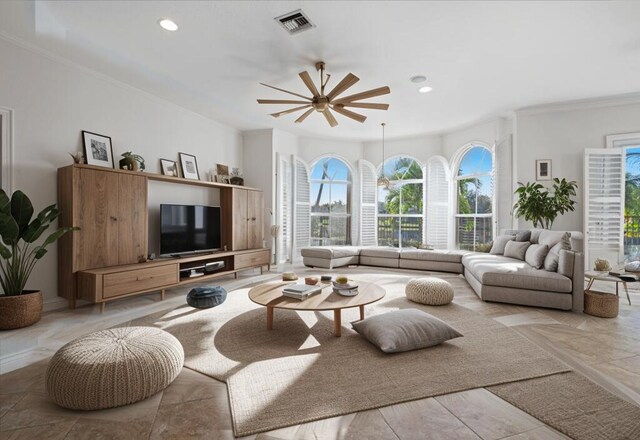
<point x="553" y="257"/>
<point x="404" y="330"/>
<point x="535" y="255"/>
<point x="499" y="243"/>
<point x="516" y="249"/>
<point x="523" y="236"/>
<point x="566" y="262"/>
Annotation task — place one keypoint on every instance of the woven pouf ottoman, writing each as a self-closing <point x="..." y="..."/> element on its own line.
<point x="113" y="368"/>
<point x="429" y="291"/>
<point x="206" y="297"/>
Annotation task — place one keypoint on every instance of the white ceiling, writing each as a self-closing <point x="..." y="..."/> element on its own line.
<point x="483" y="59"/>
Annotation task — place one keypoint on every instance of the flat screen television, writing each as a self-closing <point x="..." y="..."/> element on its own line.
<point x="189" y="229"/>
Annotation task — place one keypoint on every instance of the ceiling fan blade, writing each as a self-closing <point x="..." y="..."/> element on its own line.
<point x="280" y="101"/>
<point x="304" y="116"/>
<point x="291" y="110"/>
<point x="343" y="85"/>
<point x="286" y="91"/>
<point x="329" y="117"/>
<point x="364" y="105"/>
<point x="363" y="95"/>
<point x="306" y="79"/>
<point x="349" y="114"/>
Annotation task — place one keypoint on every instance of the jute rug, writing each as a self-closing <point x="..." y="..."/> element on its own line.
<point x="300" y="372"/>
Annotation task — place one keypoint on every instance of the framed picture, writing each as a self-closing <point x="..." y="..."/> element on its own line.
<point x="189" y="166"/>
<point x="97" y="149"/>
<point x="169" y="167"/>
<point x="543" y="169"/>
<point x="222" y="178"/>
<point x="222" y="170"/>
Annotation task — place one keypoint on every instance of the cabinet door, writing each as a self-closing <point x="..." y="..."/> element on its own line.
<point x="240" y="220"/>
<point x="97" y="211"/>
<point x="132" y="218"/>
<point x="255" y="216"/>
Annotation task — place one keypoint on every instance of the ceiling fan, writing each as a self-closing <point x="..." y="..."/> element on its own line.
<point x="325" y="103"/>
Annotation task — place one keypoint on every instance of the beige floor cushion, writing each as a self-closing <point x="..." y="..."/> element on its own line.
<point x="113" y="367"/>
<point x="429" y="291"/>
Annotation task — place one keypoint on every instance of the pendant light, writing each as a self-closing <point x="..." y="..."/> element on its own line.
<point x="382" y="179"/>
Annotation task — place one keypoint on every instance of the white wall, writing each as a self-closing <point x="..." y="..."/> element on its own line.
<point x="562" y="135"/>
<point x="54" y="100"/>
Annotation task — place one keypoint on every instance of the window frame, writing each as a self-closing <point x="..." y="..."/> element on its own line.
<point x="349" y="205"/>
<point x="455" y="169"/>
<point x="399" y="184"/>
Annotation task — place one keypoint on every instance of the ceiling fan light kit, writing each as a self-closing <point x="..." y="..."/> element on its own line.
<point x="324" y="103"/>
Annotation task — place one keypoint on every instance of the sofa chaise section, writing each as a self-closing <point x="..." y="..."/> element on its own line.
<point x="329" y="257"/>
<point x="436" y="260"/>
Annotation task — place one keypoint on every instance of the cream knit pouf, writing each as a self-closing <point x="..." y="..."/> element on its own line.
<point x="429" y="291"/>
<point x="113" y="368"/>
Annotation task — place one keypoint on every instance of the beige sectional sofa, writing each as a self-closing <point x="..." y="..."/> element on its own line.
<point x="493" y="277"/>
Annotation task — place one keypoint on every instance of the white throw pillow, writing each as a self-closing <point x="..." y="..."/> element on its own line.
<point x="516" y="249"/>
<point x="536" y="254"/>
<point x="499" y="243"/>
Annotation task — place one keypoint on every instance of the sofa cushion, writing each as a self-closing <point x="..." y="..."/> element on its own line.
<point x="425" y="255"/>
<point x="404" y="330"/>
<point x="535" y="255"/>
<point x="516" y="249"/>
<point x="553" y="257"/>
<point x="380" y="252"/>
<point x="551" y="238"/>
<point x="329" y="252"/>
<point x="497" y="270"/>
<point x="500" y="242"/>
<point x="566" y="263"/>
<point x="523" y="236"/>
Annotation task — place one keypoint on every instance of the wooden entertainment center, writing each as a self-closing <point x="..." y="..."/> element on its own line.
<point x="107" y="258"/>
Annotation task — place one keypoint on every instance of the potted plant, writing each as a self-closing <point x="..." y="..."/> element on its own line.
<point x="132" y="162"/>
<point x="540" y="205"/>
<point x="19" y="255"/>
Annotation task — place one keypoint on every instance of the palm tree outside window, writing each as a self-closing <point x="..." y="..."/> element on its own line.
<point x="330" y="202"/>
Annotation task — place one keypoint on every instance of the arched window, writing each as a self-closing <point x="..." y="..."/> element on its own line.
<point x="330" y="202"/>
<point x="401" y="205"/>
<point x="474" y="197"/>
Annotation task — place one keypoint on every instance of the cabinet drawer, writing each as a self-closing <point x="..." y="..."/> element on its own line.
<point x="258" y="258"/>
<point x="122" y="283"/>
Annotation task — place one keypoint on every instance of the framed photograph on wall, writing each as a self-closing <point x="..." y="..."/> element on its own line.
<point x="169" y="167"/>
<point x="543" y="169"/>
<point x="189" y="166"/>
<point x="97" y="149"/>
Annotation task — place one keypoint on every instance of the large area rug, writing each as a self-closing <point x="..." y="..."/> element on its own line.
<point x="300" y="372"/>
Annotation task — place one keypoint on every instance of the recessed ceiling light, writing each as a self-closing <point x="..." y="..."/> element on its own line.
<point x="425" y="89"/>
<point x="168" y="25"/>
<point x="418" y="79"/>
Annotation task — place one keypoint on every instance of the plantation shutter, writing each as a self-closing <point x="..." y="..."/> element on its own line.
<point x="437" y="193"/>
<point x="604" y="174"/>
<point x="368" y="204"/>
<point x="284" y="218"/>
<point x="301" y="208"/>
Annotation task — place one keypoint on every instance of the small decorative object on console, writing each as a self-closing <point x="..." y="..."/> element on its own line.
<point x="325" y="278"/>
<point x="97" y="149"/>
<point x="132" y="162"/>
<point x="189" y="166"/>
<point x="169" y="167"/>
<point x="236" y="178"/>
<point x="289" y="276"/>
<point x="342" y="279"/>
<point x="78" y="157"/>
<point x="602" y="265"/>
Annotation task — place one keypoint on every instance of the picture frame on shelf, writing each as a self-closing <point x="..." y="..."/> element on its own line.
<point x="543" y="169"/>
<point x="169" y="167"/>
<point x="189" y="166"/>
<point x="221" y="178"/>
<point x="222" y="170"/>
<point x="98" y="150"/>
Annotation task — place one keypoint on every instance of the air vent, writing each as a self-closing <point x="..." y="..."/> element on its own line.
<point x="295" y="22"/>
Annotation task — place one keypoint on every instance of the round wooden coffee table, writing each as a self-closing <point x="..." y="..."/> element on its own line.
<point x="270" y="296"/>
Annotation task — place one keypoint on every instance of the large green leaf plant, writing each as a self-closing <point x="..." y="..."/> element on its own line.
<point x="19" y="232"/>
<point x="540" y="205"/>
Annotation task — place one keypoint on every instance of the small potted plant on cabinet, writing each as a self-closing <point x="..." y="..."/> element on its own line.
<point x="19" y="254"/>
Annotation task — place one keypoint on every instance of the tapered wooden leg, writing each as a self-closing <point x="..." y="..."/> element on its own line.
<point x="162" y="295"/>
<point x="235" y="274"/>
<point x="589" y="284"/>
<point x="361" y="312"/>
<point x="269" y="318"/>
<point x="261" y="270"/>
<point x="102" y="306"/>
<point x="626" y="289"/>
<point x="268" y="267"/>
<point x="337" y="323"/>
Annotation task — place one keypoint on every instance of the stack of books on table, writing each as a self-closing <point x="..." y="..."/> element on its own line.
<point x="300" y="291"/>
<point x="629" y="277"/>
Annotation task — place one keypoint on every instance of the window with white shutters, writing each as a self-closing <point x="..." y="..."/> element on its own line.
<point x="604" y="171"/>
<point x="438" y="184"/>
<point x="284" y="218"/>
<point x="301" y="208"/>
<point x="368" y="204"/>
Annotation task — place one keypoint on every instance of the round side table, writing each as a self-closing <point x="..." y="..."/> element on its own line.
<point x="593" y="276"/>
